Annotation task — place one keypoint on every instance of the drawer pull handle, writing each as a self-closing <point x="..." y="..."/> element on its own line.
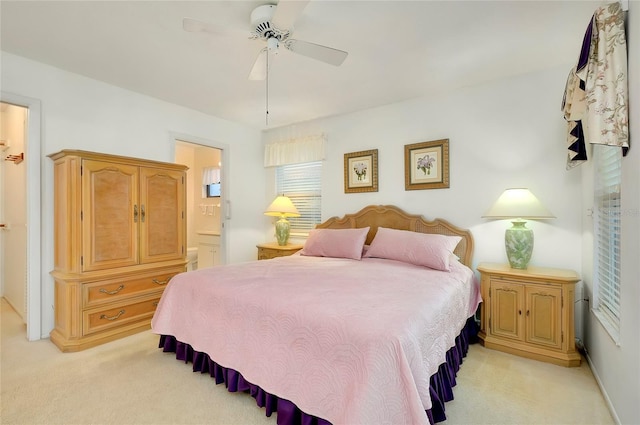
<point x="161" y="282"/>
<point x="115" y="291"/>
<point x="120" y="313"/>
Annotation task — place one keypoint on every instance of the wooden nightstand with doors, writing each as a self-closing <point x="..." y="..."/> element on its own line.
<point x="267" y="251"/>
<point x="529" y="312"/>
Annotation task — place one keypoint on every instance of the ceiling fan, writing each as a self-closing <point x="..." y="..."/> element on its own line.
<point x="273" y="24"/>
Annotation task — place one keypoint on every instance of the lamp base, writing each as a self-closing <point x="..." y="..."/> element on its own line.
<point x="518" y="241"/>
<point x="282" y="231"/>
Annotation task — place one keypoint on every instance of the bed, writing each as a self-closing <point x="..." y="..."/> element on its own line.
<point x="369" y="323"/>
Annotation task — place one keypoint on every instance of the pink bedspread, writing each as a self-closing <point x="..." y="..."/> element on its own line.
<point x="352" y="342"/>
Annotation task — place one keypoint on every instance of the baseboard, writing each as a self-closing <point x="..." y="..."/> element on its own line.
<point x="607" y="400"/>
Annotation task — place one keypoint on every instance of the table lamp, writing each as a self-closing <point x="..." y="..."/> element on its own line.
<point x="282" y="207"/>
<point x="518" y="204"/>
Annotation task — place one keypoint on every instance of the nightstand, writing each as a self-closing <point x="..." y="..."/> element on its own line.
<point x="270" y="250"/>
<point x="529" y="312"/>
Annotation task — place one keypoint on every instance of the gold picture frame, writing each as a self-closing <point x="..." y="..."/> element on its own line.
<point x="426" y="165"/>
<point x="361" y="171"/>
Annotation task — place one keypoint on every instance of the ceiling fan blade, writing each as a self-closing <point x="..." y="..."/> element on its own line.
<point x="194" y="25"/>
<point x="259" y="69"/>
<point x="315" y="51"/>
<point x="287" y="13"/>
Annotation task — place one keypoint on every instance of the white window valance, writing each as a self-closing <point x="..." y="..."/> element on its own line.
<point x="295" y="150"/>
<point x="210" y="175"/>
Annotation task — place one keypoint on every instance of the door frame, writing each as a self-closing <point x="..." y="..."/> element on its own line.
<point x="225" y="207"/>
<point x="33" y="159"/>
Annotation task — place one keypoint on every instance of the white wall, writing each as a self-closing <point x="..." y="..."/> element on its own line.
<point x="617" y="367"/>
<point x="80" y="113"/>
<point x="508" y="133"/>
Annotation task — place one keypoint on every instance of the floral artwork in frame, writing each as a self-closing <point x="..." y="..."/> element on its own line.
<point x="426" y="165"/>
<point x="361" y="171"/>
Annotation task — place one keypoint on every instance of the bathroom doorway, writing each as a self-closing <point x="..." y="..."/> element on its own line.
<point x="205" y="203"/>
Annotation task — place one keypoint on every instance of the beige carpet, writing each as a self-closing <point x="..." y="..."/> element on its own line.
<point x="130" y="381"/>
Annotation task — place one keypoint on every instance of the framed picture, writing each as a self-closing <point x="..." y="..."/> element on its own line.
<point x="361" y="171"/>
<point x="426" y="165"/>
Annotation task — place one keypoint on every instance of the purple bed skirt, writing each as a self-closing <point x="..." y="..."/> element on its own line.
<point x="442" y="382"/>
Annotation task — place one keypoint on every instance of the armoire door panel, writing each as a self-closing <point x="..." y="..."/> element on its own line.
<point x="109" y="222"/>
<point x="162" y="218"/>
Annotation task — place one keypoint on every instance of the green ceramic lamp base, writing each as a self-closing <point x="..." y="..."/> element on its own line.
<point x="282" y="231"/>
<point x="518" y="241"/>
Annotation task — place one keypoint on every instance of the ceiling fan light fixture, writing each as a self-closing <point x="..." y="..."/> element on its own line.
<point x="272" y="45"/>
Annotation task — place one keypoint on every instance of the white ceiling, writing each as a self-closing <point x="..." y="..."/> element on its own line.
<point x="397" y="50"/>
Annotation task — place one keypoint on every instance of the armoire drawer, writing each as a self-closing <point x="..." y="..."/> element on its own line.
<point x="113" y="290"/>
<point x="97" y="320"/>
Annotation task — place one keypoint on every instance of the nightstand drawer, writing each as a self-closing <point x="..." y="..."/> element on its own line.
<point x="272" y="250"/>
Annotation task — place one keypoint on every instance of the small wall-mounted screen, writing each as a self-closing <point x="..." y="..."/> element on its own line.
<point x="213" y="190"/>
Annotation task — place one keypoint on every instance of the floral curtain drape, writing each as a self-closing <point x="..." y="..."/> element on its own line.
<point x="596" y="98"/>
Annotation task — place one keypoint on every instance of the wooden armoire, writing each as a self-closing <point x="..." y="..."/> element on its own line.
<point x="119" y="231"/>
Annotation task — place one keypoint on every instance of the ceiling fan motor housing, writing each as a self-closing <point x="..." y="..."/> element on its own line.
<point x="261" y="22"/>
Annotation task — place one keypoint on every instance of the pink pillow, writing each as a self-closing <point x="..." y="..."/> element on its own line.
<point x="421" y="249"/>
<point x="338" y="243"/>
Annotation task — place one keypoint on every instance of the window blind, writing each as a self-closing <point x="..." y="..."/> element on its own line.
<point x="608" y="178"/>
<point x="302" y="184"/>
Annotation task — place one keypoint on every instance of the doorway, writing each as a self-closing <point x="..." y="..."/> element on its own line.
<point x="13" y="208"/>
<point x="31" y="191"/>
<point x="205" y="206"/>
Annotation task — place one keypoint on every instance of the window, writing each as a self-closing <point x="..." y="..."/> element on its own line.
<point x="302" y="184"/>
<point x="211" y="182"/>
<point x="608" y="177"/>
<point x="213" y="190"/>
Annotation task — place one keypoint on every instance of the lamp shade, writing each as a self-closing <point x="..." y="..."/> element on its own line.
<point x="282" y="207"/>
<point x="518" y="203"/>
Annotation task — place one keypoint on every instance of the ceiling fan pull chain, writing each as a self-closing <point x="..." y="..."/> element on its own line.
<point x="266" y="118"/>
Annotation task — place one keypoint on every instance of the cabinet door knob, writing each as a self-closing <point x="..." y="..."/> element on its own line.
<point x="520" y="312"/>
<point x="135" y="213"/>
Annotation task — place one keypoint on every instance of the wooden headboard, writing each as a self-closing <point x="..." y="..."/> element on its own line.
<point x="392" y="217"/>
